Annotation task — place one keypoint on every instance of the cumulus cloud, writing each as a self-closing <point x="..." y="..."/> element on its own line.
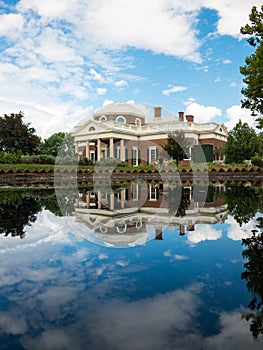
<point x="204" y="233"/>
<point x="236" y="113"/>
<point x="173" y="89"/>
<point x="202" y="113"/>
<point x="231" y="15"/>
<point x="57" y="52"/>
<point x="11" y="24"/>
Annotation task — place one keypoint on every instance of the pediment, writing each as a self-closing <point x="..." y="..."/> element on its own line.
<point x="221" y="129"/>
<point x="91" y="126"/>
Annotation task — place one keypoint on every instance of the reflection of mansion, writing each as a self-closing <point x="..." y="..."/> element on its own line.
<point x="121" y="130"/>
<point x="122" y="217"/>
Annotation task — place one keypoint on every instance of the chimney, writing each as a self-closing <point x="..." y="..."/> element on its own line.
<point x="189" y="118"/>
<point x="182" y="230"/>
<point x="181" y="116"/>
<point x="157" y="113"/>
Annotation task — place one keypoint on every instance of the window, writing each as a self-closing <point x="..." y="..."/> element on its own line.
<point x="92" y="155"/>
<point x="152" y="154"/>
<point x="138" y="121"/>
<point x="103" y="118"/>
<point x="135" y="154"/>
<point x="118" y="152"/>
<point x="153" y="192"/>
<point x="92" y="128"/>
<point x="135" y="192"/>
<point x="121" y="228"/>
<point x="121" y="119"/>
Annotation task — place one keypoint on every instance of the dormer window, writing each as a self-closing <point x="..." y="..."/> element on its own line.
<point x="103" y="118"/>
<point x="138" y="121"/>
<point x="121" y="119"/>
<point x="92" y="128"/>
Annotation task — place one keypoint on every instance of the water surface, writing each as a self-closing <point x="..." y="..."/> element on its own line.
<point x="152" y="266"/>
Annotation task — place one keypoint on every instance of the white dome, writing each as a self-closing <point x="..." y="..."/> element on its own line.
<point x="119" y="108"/>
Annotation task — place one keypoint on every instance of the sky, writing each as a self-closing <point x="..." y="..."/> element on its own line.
<point x="61" y="60"/>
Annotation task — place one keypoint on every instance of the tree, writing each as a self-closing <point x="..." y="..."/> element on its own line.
<point x="60" y="142"/>
<point x="243" y="202"/>
<point x="254" y="277"/>
<point x="242" y="143"/>
<point x="177" y="146"/>
<point x="253" y="68"/>
<point x="16" y="136"/>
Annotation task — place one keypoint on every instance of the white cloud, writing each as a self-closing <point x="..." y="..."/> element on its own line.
<point x="173" y="89"/>
<point x="11" y="24"/>
<point x="227" y="61"/>
<point x="233" y="84"/>
<point x="202" y="113"/>
<point x="96" y="76"/>
<point x="121" y="83"/>
<point x="107" y="102"/>
<point x="101" y="91"/>
<point x="51" y="49"/>
<point x="232" y="15"/>
<point x="234" y="113"/>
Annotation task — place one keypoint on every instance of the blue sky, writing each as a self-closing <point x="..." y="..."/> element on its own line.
<point x="61" y="60"/>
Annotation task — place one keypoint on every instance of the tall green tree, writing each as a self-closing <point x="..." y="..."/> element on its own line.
<point x="254" y="277"/>
<point x="253" y="68"/>
<point x="60" y="143"/>
<point x="16" y="136"/>
<point x="177" y="146"/>
<point x="242" y="143"/>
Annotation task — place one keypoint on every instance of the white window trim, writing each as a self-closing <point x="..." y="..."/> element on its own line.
<point x="152" y="190"/>
<point x="103" y="118"/>
<point x="138" y="122"/>
<point x="121" y="116"/>
<point x="136" y="150"/>
<point x="150" y="156"/>
<point x="135" y="192"/>
<point x="122" y="230"/>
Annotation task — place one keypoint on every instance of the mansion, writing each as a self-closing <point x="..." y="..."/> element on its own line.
<point x="123" y="131"/>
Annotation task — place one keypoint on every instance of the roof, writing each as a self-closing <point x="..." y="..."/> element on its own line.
<point x="119" y="108"/>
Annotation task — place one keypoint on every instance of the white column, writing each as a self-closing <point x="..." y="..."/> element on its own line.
<point x="112" y="201"/>
<point x="87" y="150"/>
<point x="76" y="148"/>
<point x="122" y="151"/>
<point x="111" y="148"/>
<point x="98" y="149"/>
<point x="99" y="199"/>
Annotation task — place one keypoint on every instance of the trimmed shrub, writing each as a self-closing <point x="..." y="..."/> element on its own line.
<point x="10" y="158"/>
<point x="257" y="161"/>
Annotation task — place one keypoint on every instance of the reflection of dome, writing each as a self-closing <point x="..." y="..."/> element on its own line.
<point x="119" y="108"/>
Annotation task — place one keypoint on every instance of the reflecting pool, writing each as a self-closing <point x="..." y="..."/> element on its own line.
<point x="141" y="266"/>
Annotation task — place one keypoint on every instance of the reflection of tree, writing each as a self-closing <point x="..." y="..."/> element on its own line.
<point x="178" y="200"/>
<point x="16" y="213"/>
<point x="254" y="277"/>
<point x="244" y="202"/>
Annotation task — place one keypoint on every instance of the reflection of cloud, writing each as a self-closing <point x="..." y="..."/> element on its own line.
<point x="11" y="323"/>
<point x="146" y="324"/>
<point x="52" y="339"/>
<point x="203" y="233"/>
<point x="236" y="232"/>
<point x="174" y="257"/>
<point x="234" y="334"/>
